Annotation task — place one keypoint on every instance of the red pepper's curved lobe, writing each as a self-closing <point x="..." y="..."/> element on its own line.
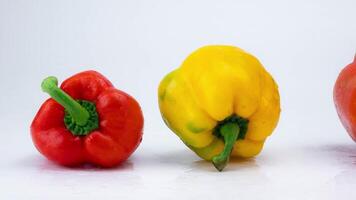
<point x="51" y="137"/>
<point x="86" y="85"/>
<point x="120" y="132"/>
<point x="102" y="150"/>
<point x="345" y="98"/>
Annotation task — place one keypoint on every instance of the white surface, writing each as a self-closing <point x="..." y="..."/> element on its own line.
<point x="304" y="44"/>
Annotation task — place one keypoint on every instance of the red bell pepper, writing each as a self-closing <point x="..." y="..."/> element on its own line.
<point x="102" y="126"/>
<point x="345" y="98"/>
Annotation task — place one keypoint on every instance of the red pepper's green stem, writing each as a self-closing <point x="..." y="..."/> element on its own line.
<point x="230" y="132"/>
<point x="80" y="115"/>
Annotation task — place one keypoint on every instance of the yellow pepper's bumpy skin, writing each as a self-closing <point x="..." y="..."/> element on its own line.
<point x="212" y="84"/>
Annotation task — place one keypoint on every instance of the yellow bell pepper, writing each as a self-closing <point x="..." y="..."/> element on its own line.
<point x="220" y="102"/>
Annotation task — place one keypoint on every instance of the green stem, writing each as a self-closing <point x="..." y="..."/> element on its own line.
<point x="230" y="132"/>
<point x="79" y="114"/>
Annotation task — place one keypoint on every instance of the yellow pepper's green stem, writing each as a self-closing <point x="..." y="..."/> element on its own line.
<point x="79" y="114"/>
<point x="230" y="132"/>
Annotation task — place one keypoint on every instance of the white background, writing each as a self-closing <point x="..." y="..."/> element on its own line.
<point x="304" y="44"/>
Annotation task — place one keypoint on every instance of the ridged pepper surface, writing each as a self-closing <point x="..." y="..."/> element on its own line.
<point x="220" y="101"/>
<point x="87" y="120"/>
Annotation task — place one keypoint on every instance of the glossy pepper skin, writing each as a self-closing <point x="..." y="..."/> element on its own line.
<point x="345" y="98"/>
<point x="221" y="100"/>
<point x="103" y="129"/>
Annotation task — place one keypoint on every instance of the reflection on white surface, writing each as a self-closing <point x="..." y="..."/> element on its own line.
<point x="285" y="172"/>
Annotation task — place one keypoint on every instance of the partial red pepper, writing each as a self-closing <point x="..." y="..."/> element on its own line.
<point x="87" y="120"/>
<point x="345" y="98"/>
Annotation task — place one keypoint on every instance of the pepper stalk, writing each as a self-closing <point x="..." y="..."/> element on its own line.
<point x="81" y="117"/>
<point x="230" y="132"/>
